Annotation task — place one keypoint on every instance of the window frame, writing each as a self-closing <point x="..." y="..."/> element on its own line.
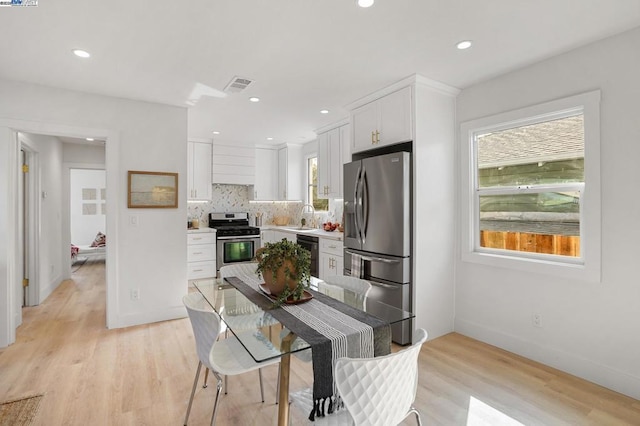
<point x="586" y="267"/>
<point x="309" y="185"/>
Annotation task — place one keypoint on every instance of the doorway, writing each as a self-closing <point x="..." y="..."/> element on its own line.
<point x="87" y="215"/>
<point x="10" y="249"/>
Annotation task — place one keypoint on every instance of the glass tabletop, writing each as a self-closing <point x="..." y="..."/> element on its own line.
<point x="261" y="333"/>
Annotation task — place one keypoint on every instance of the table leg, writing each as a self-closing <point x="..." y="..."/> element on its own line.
<point x="285" y="372"/>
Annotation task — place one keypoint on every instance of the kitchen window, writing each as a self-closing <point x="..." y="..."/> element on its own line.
<point x="533" y="183"/>
<point x="312" y="186"/>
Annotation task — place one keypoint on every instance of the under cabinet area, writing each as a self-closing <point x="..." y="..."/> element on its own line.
<point x="331" y="258"/>
<point x="384" y="121"/>
<point x="201" y="254"/>
<point x="333" y="151"/>
<point x="198" y="171"/>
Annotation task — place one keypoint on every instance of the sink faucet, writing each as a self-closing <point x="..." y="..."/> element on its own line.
<point x="313" y="214"/>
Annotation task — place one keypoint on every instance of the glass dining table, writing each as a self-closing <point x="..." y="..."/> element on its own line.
<point x="268" y="340"/>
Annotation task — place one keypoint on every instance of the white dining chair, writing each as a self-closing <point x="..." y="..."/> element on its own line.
<point x="239" y="313"/>
<point x="358" y="286"/>
<point x="380" y="391"/>
<point x="225" y="356"/>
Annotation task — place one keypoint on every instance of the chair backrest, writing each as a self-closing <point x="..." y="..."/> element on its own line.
<point x="357" y="285"/>
<point x="239" y="270"/>
<point x="234" y="304"/>
<point x="380" y="391"/>
<point x="205" y="323"/>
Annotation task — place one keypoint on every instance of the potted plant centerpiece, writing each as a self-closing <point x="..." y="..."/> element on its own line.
<point x="286" y="269"/>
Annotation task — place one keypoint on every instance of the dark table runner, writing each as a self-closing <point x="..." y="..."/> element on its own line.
<point x="321" y="346"/>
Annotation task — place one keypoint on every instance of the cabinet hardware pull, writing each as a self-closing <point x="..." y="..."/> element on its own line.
<point x="197" y="252"/>
<point x="197" y="270"/>
<point x="377" y="137"/>
<point x="373" y="141"/>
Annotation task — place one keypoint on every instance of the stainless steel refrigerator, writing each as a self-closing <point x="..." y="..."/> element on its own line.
<point x="377" y="230"/>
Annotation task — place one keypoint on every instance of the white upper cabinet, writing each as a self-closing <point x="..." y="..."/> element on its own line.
<point x="323" y="165"/>
<point x="233" y="165"/>
<point x="385" y="121"/>
<point x="266" y="180"/>
<point x="290" y="173"/>
<point x="333" y="152"/>
<point x="198" y="171"/>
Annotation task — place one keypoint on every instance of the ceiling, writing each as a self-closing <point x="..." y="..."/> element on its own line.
<point x="303" y="55"/>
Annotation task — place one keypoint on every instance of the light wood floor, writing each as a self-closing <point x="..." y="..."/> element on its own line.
<point x="142" y="375"/>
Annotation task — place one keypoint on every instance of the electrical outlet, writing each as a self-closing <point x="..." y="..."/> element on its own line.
<point x="537" y="320"/>
<point x="135" y="294"/>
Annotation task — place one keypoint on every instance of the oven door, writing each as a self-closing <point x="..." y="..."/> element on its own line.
<point x="232" y="250"/>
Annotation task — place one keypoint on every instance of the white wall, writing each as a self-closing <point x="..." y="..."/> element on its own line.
<point x="151" y="256"/>
<point x="85" y="224"/>
<point x="590" y="330"/>
<point x="84" y="154"/>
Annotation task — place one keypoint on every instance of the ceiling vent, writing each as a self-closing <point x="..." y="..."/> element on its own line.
<point x="237" y="84"/>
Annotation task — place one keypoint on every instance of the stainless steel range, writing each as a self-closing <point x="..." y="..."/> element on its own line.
<point x="236" y="241"/>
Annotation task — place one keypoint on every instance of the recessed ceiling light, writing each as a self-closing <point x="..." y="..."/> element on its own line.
<point x="464" y="44"/>
<point x="215" y="132"/>
<point x="269" y="139"/>
<point x="365" y="3"/>
<point x="254" y="99"/>
<point x="90" y="139"/>
<point x="324" y="111"/>
<point x="81" y="53"/>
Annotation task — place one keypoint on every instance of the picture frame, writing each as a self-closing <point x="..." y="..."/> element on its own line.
<point x="152" y="190"/>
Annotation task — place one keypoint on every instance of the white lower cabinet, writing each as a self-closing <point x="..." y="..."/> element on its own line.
<point x="331" y="258"/>
<point x="201" y="255"/>
<point x="267" y="236"/>
<point x="279" y="235"/>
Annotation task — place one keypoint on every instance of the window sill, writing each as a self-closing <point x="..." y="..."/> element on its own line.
<point x="574" y="269"/>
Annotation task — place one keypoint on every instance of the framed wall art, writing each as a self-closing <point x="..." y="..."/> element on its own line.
<point x="152" y="190"/>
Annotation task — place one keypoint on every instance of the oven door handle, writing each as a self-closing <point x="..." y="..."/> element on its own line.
<point x="240" y="237"/>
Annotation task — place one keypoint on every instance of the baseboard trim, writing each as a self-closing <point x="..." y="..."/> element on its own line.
<point x="46" y="291"/>
<point x="600" y="374"/>
<point x="140" y="318"/>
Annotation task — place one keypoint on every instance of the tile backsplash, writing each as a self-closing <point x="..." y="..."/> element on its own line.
<point x="235" y="198"/>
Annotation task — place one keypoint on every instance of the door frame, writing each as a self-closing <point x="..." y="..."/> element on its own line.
<point x="10" y="145"/>
<point x="33" y="236"/>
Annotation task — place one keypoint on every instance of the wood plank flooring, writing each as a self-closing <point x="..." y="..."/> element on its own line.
<point x="142" y="375"/>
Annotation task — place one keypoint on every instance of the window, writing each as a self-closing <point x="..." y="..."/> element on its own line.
<point x="312" y="191"/>
<point x="533" y="193"/>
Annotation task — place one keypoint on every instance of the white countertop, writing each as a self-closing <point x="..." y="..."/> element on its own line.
<point x="201" y="230"/>
<point x="321" y="233"/>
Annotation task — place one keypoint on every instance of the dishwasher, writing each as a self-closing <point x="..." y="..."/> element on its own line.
<point x="310" y="243"/>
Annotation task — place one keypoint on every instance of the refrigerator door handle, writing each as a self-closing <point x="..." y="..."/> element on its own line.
<point x="374" y="258"/>
<point x="358" y="206"/>
<point x="365" y="206"/>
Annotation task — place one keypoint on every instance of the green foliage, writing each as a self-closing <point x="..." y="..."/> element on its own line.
<point x="272" y="257"/>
